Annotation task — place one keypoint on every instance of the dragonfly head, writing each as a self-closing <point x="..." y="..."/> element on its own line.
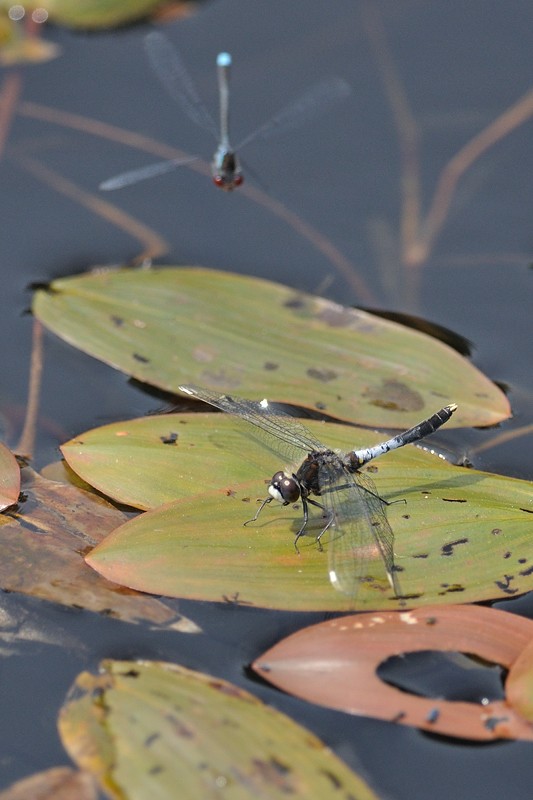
<point x="226" y="170"/>
<point x="284" y="488"/>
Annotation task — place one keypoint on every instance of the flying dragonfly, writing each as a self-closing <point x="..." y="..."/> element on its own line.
<point x="353" y="510"/>
<point x="225" y="168"/>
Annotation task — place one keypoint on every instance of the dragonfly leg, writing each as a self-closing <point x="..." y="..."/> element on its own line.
<point x="261" y="507"/>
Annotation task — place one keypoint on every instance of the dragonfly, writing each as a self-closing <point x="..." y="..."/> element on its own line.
<point x="226" y="167"/>
<point x="360" y="536"/>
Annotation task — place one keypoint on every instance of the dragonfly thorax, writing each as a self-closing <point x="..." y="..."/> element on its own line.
<point x="284" y="488"/>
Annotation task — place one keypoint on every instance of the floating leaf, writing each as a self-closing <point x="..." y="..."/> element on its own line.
<point x="335" y="664"/>
<point x="460" y="535"/>
<point x="9" y="478"/>
<point x="145" y="728"/>
<point x="42" y="542"/>
<point x="95" y="14"/>
<point x="234" y="333"/>
<point x="58" y="783"/>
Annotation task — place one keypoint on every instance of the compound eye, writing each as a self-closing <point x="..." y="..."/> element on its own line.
<point x="284" y="488"/>
<point x="238" y="180"/>
<point x="218" y="180"/>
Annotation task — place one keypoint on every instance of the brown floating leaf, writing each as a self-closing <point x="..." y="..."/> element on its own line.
<point x="58" y="783"/>
<point x="43" y="543"/>
<point x="9" y="478"/>
<point x="334" y="664"/>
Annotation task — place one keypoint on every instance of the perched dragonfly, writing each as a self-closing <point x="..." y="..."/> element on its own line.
<point x="226" y="168"/>
<point x="353" y="511"/>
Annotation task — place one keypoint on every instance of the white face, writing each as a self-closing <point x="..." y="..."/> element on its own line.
<point x="275" y="493"/>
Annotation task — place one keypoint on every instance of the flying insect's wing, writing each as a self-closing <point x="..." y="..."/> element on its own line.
<point x="285" y="434"/>
<point x="361" y="541"/>
<point x="142" y="173"/>
<point x="316" y="100"/>
<point x="172" y="72"/>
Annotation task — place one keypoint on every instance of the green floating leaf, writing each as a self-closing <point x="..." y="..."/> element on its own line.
<point x="249" y="336"/>
<point x="9" y="478"/>
<point x="148" y="729"/>
<point x="96" y="14"/>
<point x="460" y="535"/>
<point x="356" y="646"/>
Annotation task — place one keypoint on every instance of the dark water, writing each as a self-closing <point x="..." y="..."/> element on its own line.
<point x="455" y="67"/>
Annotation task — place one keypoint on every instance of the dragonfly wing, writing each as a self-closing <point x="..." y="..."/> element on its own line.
<point x="141" y="174"/>
<point x="173" y="74"/>
<point x="361" y="541"/>
<point x="284" y="434"/>
<point x="316" y="100"/>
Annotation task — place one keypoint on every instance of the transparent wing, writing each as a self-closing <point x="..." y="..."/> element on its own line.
<point x="361" y="541"/>
<point x="141" y="174"/>
<point x="285" y="434"/>
<point x="173" y="74"/>
<point x="314" y="101"/>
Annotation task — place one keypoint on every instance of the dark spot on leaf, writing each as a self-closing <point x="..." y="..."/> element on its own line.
<point x="320" y="406"/>
<point x="178" y="727"/>
<point x="421" y="555"/>
<point x="156" y="769"/>
<point x="451" y="588"/>
<point x="406" y="516"/>
<point x="230" y="492"/>
<point x="276" y="773"/>
<point x="395" y="396"/>
<point x="141" y="359"/>
<point x="245" y="499"/>
<point x="295" y="303"/>
<point x="522" y="560"/>
<point x="172" y="438"/>
<point x="372" y="468"/>
<point x="505" y="585"/>
<point x="496" y="531"/>
<point x="507" y="554"/>
<point x="447" y="549"/>
<point x="433" y="715"/>
<point x="453" y="500"/>
<point x="335" y="782"/>
<point x="118" y="321"/>
<point x="492" y="722"/>
<point x="225" y="688"/>
<point x="270" y="366"/>
<point x="323" y="374"/>
<point x="525" y="572"/>
<point x="151" y="739"/>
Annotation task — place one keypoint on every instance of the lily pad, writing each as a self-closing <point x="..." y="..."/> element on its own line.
<point x="57" y="783"/>
<point x="42" y="542"/>
<point x="9" y="478"/>
<point x="356" y="646"/>
<point x="240" y="334"/>
<point x="96" y="14"/>
<point x="460" y="535"/>
<point x="145" y="728"/>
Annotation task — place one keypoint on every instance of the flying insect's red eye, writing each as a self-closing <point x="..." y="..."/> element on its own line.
<point x="218" y="180"/>
<point x="238" y="180"/>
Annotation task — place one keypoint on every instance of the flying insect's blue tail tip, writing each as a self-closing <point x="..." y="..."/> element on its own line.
<point x="223" y="60"/>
